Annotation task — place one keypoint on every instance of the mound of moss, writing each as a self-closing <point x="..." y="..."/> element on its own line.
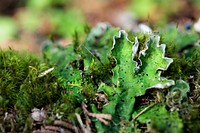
<point x="21" y="88"/>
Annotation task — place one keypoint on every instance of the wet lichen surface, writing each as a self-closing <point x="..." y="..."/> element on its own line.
<point x="113" y="81"/>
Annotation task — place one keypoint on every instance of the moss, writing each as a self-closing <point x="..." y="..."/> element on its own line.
<point x="186" y="66"/>
<point x="20" y="87"/>
<point x="191" y="123"/>
<point x="14" y="69"/>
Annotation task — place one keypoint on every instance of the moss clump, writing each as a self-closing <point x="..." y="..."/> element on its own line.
<point x="14" y="69"/>
<point x="184" y="48"/>
<point x="21" y="89"/>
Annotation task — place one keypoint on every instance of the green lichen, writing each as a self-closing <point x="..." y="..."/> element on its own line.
<point x="135" y="79"/>
<point x="132" y="79"/>
<point x="178" y="94"/>
<point x="159" y="119"/>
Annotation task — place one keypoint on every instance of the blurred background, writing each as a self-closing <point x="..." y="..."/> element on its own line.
<point x="25" y="24"/>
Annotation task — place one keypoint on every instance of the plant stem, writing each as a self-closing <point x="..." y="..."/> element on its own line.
<point x="145" y="109"/>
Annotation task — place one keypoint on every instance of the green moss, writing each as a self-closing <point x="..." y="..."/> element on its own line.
<point x="184" y="48"/>
<point x="184" y="67"/>
<point x="20" y="87"/>
<point x="14" y="69"/>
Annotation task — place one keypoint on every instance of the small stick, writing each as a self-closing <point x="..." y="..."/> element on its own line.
<point x="88" y="121"/>
<point x="54" y="128"/>
<point x="2" y="129"/>
<point x="81" y="124"/>
<point x="145" y="109"/>
<point x="46" y="72"/>
<point x="63" y="123"/>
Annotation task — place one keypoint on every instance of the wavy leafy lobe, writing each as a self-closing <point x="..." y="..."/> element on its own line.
<point x="135" y="79"/>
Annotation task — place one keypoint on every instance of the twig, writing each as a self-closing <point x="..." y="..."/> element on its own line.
<point x="2" y="129"/>
<point x="64" y="124"/>
<point x="46" y="72"/>
<point x="81" y="123"/>
<point x="100" y="117"/>
<point x="85" y="111"/>
<point x="145" y="109"/>
<point x="53" y="128"/>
